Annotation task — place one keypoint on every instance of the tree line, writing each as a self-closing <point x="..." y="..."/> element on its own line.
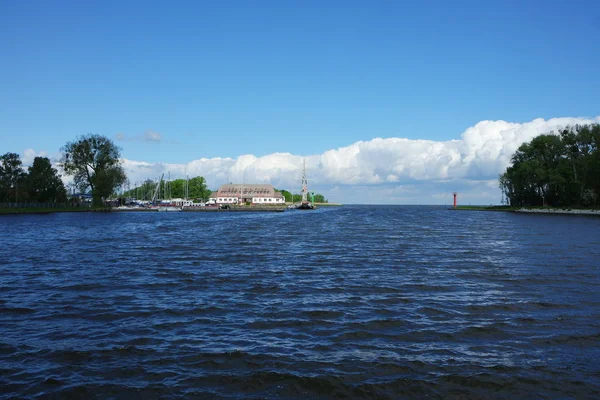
<point x="40" y="183"/>
<point x="94" y="162"/>
<point x="558" y="169"/>
<point x="296" y="198"/>
<point x="194" y="188"/>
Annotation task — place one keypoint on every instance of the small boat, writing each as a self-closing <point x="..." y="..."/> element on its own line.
<point x="170" y="208"/>
<point x="164" y="205"/>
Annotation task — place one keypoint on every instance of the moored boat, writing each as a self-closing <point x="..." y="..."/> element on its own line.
<point x="304" y="204"/>
<point x="169" y="208"/>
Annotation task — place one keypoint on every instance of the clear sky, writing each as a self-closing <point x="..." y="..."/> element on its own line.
<point x="174" y="82"/>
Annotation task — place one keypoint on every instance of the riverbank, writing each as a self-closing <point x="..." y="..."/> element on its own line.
<point x="235" y="208"/>
<point x="484" y="208"/>
<point x="9" y="211"/>
<point x="567" y="211"/>
<point x="51" y="210"/>
<point x="531" y="210"/>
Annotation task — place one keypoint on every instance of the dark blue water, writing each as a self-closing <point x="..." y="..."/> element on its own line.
<point x="348" y="302"/>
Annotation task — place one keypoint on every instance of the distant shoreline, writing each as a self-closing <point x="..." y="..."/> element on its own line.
<point x="559" y="211"/>
<point x="52" y="210"/>
<point x="529" y="210"/>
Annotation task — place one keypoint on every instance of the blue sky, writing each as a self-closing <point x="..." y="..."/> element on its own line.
<point x="173" y="83"/>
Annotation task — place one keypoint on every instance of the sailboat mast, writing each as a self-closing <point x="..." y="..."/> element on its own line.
<point x="304" y="184"/>
<point x="187" y="187"/>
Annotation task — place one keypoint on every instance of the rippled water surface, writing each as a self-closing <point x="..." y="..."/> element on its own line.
<point x="341" y="302"/>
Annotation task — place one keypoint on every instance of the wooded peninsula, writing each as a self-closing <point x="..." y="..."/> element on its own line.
<point x="556" y="169"/>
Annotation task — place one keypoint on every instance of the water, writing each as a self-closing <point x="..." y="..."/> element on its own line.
<point x="345" y="302"/>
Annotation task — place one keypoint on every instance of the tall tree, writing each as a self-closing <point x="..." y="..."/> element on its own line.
<point x="43" y="182"/>
<point x="177" y="188"/>
<point x="556" y="169"/>
<point x="197" y="188"/>
<point x="94" y="162"/>
<point x="11" y="177"/>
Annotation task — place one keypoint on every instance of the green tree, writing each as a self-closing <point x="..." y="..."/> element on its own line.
<point x="197" y="188"/>
<point x="296" y="198"/>
<point x="593" y="177"/>
<point x="143" y="191"/>
<point x="319" y="198"/>
<point x="286" y="195"/>
<point x="11" y="177"/>
<point x="43" y="182"/>
<point x="94" y="162"/>
<point x="531" y="174"/>
<point x="177" y="188"/>
<point x="146" y="190"/>
<point x="581" y="143"/>
<point x="555" y="169"/>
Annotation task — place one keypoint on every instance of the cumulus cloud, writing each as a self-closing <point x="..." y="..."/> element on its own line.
<point x="482" y="152"/>
<point x="30" y="154"/>
<point x="382" y="170"/>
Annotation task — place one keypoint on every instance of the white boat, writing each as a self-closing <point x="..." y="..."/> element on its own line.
<point x="165" y="205"/>
<point x="170" y="208"/>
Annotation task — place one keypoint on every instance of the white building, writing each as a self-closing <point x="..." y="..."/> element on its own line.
<point x="179" y="202"/>
<point x="255" y="194"/>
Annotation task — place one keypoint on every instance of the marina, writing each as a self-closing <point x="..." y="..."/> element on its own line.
<point x="232" y="208"/>
<point x="246" y="197"/>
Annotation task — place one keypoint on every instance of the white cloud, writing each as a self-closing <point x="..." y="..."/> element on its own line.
<point x="382" y="170"/>
<point x="148" y="136"/>
<point x="29" y="155"/>
<point x="151" y="136"/>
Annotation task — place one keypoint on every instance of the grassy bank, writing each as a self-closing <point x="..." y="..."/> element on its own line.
<point x="539" y="209"/>
<point x="485" y="208"/>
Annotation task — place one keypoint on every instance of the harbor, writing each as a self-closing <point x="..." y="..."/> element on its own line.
<point x="231" y="197"/>
<point x="229" y="208"/>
